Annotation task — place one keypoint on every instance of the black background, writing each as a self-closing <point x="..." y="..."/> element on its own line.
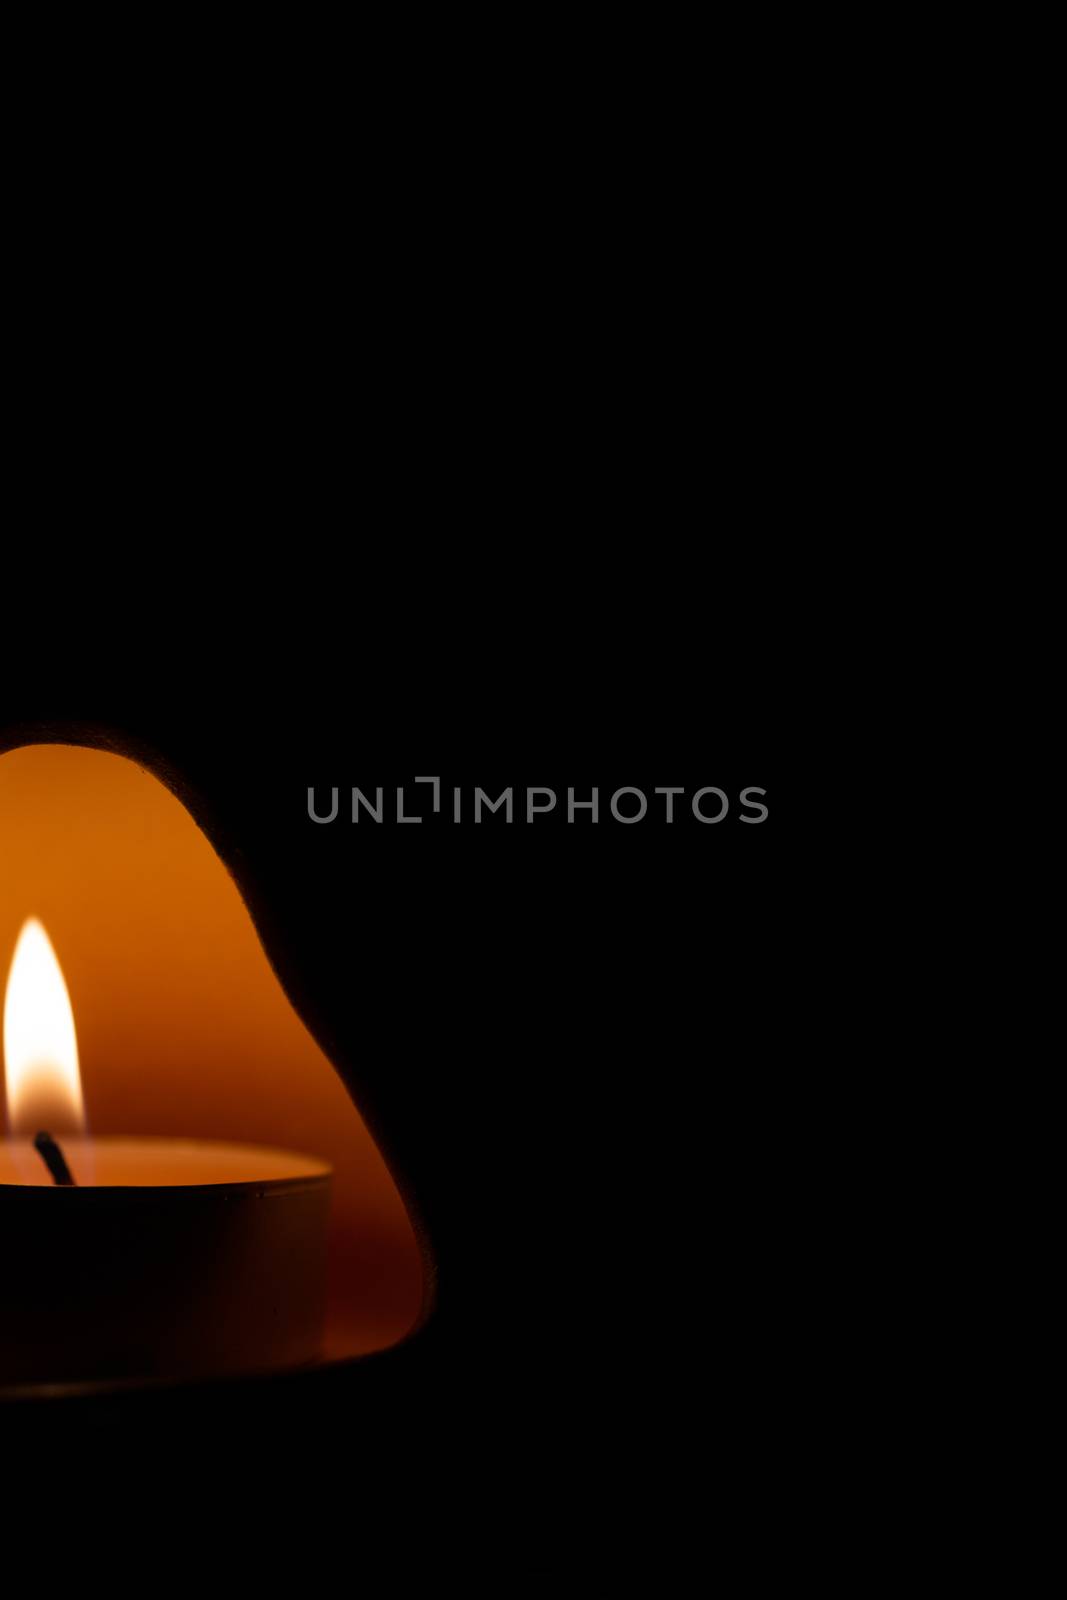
<point x="520" y="437"/>
<point x="606" y="1064"/>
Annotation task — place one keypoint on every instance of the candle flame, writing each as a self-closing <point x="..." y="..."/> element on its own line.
<point x="40" y="1045"/>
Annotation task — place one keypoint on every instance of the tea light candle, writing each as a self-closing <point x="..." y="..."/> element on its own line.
<point x="133" y="1259"/>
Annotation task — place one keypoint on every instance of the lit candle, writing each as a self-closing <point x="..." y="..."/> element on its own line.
<point x="128" y="1259"/>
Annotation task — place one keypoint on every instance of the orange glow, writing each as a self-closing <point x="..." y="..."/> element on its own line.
<point x="184" y="1031"/>
<point x="40" y="1045"/>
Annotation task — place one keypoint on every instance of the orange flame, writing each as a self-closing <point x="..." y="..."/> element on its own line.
<point x="40" y="1045"/>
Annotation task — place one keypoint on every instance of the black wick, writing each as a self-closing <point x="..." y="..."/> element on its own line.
<point x="54" y="1160"/>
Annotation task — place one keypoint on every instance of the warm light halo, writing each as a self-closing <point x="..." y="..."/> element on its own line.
<point x="40" y="1044"/>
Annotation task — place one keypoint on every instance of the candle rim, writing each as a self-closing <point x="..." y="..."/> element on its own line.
<point x="283" y="1170"/>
